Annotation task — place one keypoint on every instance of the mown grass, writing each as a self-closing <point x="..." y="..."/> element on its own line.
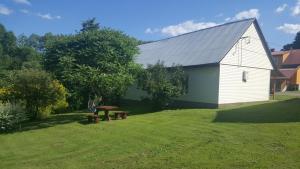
<point x="257" y="135"/>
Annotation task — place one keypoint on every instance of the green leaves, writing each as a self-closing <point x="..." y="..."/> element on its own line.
<point x="37" y="89"/>
<point x="163" y="84"/>
<point x="95" y="62"/>
<point x="294" y="45"/>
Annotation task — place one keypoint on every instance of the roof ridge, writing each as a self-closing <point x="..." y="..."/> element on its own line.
<point x="228" y="23"/>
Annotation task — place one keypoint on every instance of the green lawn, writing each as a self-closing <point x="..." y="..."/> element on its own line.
<point x="257" y="135"/>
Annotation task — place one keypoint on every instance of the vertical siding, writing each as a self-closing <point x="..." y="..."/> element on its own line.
<point x="250" y="54"/>
<point x="203" y="86"/>
<point x="296" y="77"/>
<point x="232" y="89"/>
<point x="250" y="57"/>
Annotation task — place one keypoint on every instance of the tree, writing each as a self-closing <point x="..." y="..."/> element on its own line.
<point x="99" y="62"/>
<point x="38" y="90"/>
<point x="294" y="45"/>
<point x="7" y="41"/>
<point x="12" y="57"/>
<point x="35" y="41"/>
<point x="90" y="25"/>
<point x="162" y="84"/>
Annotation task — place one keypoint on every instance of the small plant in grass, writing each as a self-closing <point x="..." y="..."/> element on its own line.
<point x="11" y="116"/>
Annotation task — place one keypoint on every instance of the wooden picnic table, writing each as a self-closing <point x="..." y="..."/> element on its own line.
<point x="106" y="110"/>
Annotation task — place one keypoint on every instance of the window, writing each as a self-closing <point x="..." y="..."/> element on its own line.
<point x="245" y="76"/>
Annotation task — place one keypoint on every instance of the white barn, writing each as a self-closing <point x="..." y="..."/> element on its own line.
<point x="229" y="63"/>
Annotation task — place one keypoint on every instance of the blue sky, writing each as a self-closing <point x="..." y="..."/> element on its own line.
<point x="151" y="19"/>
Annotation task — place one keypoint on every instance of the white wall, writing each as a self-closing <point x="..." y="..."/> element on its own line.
<point x="233" y="89"/>
<point x="252" y="59"/>
<point x="203" y="86"/>
<point x="253" y="53"/>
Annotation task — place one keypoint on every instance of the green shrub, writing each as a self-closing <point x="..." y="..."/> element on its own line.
<point x="44" y="112"/>
<point x="163" y="84"/>
<point x="59" y="106"/>
<point x="5" y="94"/>
<point x="61" y="103"/>
<point x="40" y="93"/>
<point x="11" y="116"/>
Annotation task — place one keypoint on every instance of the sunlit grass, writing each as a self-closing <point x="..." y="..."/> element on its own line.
<point x="260" y="135"/>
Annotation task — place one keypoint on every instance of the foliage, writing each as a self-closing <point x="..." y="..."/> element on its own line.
<point x="98" y="62"/>
<point x="163" y="84"/>
<point x="90" y="25"/>
<point x="38" y="90"/>
<point x="61" y="103"/>
<point x="5" y="94"/>
<point x="11" y="115"/>
<point x="294" y="45"/>
<point x="35" y="41"/>
<point x="13" y="57"/>
<point x="7" y="41"/>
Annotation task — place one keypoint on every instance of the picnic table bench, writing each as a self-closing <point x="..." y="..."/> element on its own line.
<point x="95" y="116"/>
<point x="122" y="115"/>
<point x="106" y="110"/>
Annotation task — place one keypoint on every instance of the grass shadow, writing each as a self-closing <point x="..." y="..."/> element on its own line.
<point x="275" y="112"/>
<point x="53" y="120"/>
<point x="137" y="107"/>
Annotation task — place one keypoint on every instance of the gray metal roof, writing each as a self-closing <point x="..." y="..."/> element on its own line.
<point x="206" y="46"/>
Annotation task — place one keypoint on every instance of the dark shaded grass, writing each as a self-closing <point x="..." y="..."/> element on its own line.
<point x="275" y="112"/>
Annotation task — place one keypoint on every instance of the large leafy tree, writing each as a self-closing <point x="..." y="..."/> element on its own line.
<point x="93" y="62"/>
<point x="294" y="45"/>
<point x="35" y="41"/>
<point x="14" y="57"/>
<point x="162" y="84"/>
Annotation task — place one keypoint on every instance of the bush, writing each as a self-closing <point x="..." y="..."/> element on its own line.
<point x="61" y="103"/>
<point x="5" y="94"/>
<point x="42" y="95"/>
<point x="162" y="84"/>
<point x="11" y="116"/>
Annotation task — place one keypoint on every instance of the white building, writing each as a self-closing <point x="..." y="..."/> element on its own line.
<point x="228" y="63"/>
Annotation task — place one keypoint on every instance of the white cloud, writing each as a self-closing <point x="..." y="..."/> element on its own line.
<point x="48" y="16"/>
<point x="251" y="13"/>
<point x="281" y="8"/>
<point x="4" y="10"/>
<point x="151" y="31"/>
<point x="289" y="28"/>
<point x="219" y="15"/>
<point x="25" y="11"/>
<point x="185" y="27"/>
<point x="26" y="2"/>
<point x="296" y="9"/>
<point x="228" y="19"/>
<point x="190" y="25"/>
<point x="181" y="28"/>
